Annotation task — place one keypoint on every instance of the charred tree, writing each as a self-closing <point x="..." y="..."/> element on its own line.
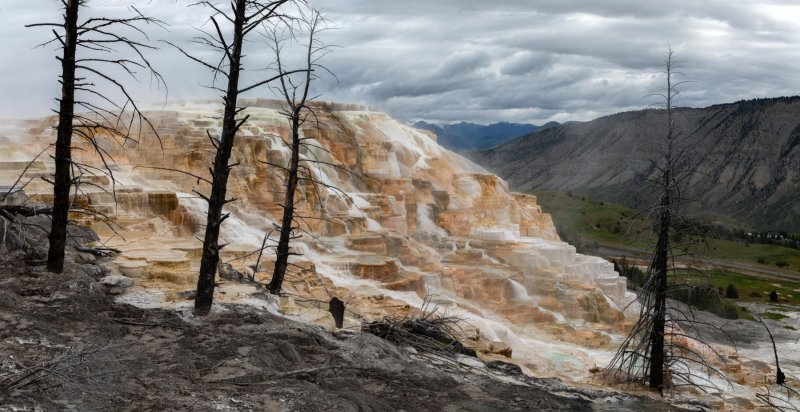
<point x="87" y="60"/>
<point x="243" y="20"/>
<point x="296" y="114"/>
<point x="656" y="351"/>
<point x="659" y="265"/>
<point x="780" y="377"/>
<point x="298" y="109"/>
<point x="63" y="158"/>
<point x="784" y="398"/>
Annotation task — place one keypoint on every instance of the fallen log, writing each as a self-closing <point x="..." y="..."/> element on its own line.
<point x="26" y="211"/>
<point x="99" y="251"/>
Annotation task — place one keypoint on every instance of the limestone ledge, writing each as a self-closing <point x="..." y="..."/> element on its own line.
<point x="419" y="222"/>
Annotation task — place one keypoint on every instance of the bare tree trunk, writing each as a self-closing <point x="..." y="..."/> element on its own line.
<point x="208" y="264"/>
<point x="245" y="16"/>
<point x="282" y="251"/>
<point x="660" y="263"/>
<point x="85" y="75"/>
<point x="780" y="377"/>
<point x="63" y="158"/>
<point x="660" y="269"/>
<point x="297" y="111"/>
<point x="646" y="355"/>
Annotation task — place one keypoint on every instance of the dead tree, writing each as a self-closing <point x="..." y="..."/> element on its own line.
<point x="298" y="110"/>
<point x="785" y="397"/>
<point x="90" y="57"/>
<point x="780" y="377"/>
<point x="659" y="265"/>
<point x="657" y="351"/>
<point x="231" y="30"/>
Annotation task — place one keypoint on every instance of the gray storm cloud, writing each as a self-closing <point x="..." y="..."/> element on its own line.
<point x="472" y="60"/>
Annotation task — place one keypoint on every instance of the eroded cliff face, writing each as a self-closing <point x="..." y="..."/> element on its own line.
<point x="743" y="157"/>
<point x="409" y="223"/>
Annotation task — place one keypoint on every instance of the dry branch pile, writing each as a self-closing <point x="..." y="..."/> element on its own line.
<point x="75" y="371"/>
<point x="428" y="333"/>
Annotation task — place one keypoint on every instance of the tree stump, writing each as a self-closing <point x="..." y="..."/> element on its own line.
<point x="336" y="307"/>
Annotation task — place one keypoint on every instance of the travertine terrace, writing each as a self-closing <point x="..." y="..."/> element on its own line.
<point x="413" y="223"/>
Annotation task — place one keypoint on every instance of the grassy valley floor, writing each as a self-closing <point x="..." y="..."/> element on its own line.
<point x="754" y="269"/>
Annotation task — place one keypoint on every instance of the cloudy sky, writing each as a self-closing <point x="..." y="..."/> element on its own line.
<point x="474" y="60"/>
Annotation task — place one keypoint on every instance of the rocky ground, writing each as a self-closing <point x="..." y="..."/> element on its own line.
<point x="65" y="344"/>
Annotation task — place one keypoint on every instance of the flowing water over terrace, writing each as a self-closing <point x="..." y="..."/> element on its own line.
<point x="419" y="225"/>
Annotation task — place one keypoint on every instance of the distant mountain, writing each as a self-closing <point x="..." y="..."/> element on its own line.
<point x="471" y="136"/>
<point x="746" y="156"/>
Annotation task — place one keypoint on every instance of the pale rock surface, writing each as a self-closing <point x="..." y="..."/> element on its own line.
<point x="422" y="225"/>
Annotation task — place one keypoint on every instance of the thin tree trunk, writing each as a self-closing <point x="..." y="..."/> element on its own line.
<point x="282" y="258"/>
<point x="661" y="258"/>
<point x="210" y="259"/>
<point x="295" y="116"/>
<point x="63" y="158"/>
<point x="660" y="268"/>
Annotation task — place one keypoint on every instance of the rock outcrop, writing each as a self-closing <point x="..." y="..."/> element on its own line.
<point x="416" y="225"/>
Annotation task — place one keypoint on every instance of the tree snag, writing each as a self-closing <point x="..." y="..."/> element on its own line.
<point x="657" y="351"/>
<point x="298" y="109"/>
<point x="84" y="61"/>
<point x="243" y="19"/>
<point x="63" y="178"/>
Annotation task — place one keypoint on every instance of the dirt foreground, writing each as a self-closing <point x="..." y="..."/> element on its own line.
<point x="66" y="345"/>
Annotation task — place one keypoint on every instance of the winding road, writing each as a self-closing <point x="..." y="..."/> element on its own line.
<point x="607" y="251"/>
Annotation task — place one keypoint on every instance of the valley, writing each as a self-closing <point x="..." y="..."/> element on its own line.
<point x="421" y="228"/>
<point x="470" y="136"/>
<point x="619" y="229"/>
<point x="298" y="205"/>
<point x="620" y="233"/>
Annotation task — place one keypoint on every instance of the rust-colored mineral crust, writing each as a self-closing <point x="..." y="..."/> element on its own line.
<point x="410" y="222"/>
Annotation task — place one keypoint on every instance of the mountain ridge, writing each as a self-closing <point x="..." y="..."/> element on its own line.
<point x="472" y="136"/>
<point x="746" y="159"/>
